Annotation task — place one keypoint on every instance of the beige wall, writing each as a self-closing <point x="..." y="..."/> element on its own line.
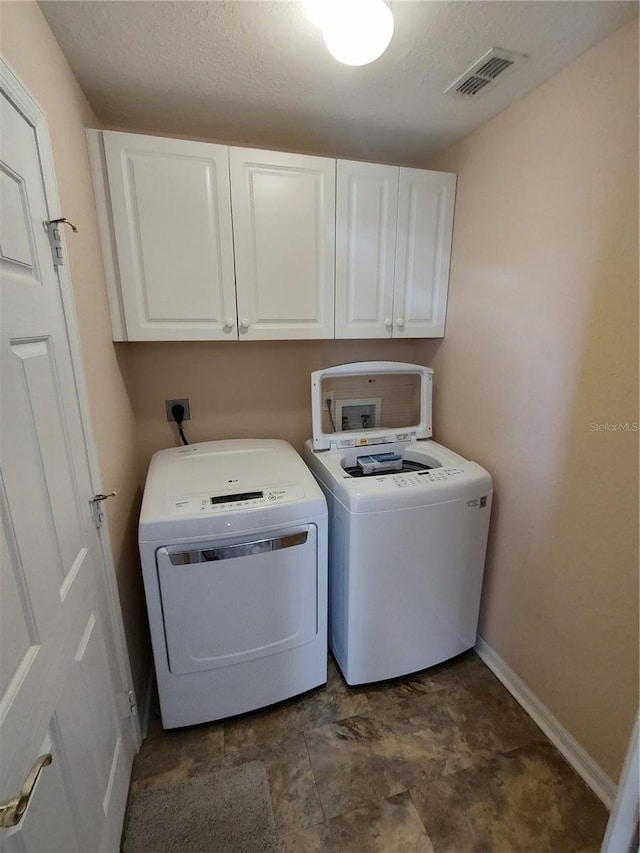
<point x="541" y="343"/>
<point x="237" y="389"/>
<point x="29" y="47"/>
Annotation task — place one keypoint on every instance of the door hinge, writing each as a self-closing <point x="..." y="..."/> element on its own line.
<point x="97" y="512"/>
<point x="53" y="229"/>
<point x="127" y="703"/>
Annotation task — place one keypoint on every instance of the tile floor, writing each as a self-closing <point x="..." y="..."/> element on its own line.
<point x="444" y="761"/>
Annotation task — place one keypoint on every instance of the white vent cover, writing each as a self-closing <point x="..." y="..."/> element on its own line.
<point x="485" y="73"/>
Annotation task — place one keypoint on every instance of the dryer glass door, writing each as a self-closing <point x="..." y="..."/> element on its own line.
<point x="229" y="602"/>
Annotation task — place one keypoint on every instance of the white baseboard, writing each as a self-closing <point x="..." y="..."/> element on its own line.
<point x="599" y="782"/>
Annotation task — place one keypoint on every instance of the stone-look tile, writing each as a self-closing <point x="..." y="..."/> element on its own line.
<point x="168" y="756"/>
<point x="294" y="796"/>
<point x="368" y="757"/>
<point x="392" y="825"/>
<point x="528" y="800"/>
<point x="324" y="705"/>
<point x="476" y="677"/>
<point x="418" y="684"/>
<point x="489" y="718"/>
<point x="341" y="761"/>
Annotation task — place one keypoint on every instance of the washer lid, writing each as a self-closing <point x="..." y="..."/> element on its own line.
<point x="370" y="402"/>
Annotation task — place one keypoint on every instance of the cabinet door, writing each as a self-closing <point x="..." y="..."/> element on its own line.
<point x="423" y="249"/>
<point x="366" y="216"/>
<point x="171" y="214"/>
<point x="284" y="239"/>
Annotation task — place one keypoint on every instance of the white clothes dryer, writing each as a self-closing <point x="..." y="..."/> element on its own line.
<point x="408" y="522"/>
<point x="233" y="542"/>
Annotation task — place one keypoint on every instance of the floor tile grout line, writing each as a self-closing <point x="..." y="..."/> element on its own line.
<point x="420" y="818"/>
<point x="315" y="781"/>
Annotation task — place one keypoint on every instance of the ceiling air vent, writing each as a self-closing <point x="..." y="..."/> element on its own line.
<point x="485" y="73"/>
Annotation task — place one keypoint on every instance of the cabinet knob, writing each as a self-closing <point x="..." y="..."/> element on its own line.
<point x="229" y="323"/>
<point x="400" y="322"/>
<point x="244" y="324"/>
<point x="388" y="322"/>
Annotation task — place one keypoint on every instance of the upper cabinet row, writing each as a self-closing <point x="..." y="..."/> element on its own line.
<point x="210" y="242"/>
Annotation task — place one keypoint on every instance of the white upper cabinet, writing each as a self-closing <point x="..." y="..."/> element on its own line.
<point x="423" y="252"/>
<point x="393" y="244"/>
<point x="171" y="221"/>
<point x="207" y="242"/>
<point x="366" y="217"/>
<point x="284" y="238"/>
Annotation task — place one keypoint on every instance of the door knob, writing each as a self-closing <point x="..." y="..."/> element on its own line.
<point x="244" y="324"/>
<point x="400" y="322"/>
<point x="11" y="812"/>
<point x="229" y="323"/>
<point x="388" y="322"/>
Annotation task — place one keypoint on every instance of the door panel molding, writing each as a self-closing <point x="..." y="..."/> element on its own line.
<point x="22" y="99"/>
<point x="49" y="472"/>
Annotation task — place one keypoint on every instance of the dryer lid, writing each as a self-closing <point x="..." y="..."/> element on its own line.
<point x="370" y="403"/>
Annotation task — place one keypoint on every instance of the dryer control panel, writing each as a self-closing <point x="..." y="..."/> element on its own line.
<point x="235" y="501"/>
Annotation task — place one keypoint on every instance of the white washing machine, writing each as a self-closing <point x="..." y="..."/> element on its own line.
<point x="408" y="522"/>
<point x="233" y="542"/>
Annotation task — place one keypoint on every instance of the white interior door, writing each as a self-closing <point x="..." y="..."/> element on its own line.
<point x="61" y="679"/>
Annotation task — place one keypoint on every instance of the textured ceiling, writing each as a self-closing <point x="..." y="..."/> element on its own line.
<point x="257" y="73"/>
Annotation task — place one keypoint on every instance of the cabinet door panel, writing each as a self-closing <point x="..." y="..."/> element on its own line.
<point x="172" y="223"/>
<point x="423" y="249"/>
<point x="284" y="237"/>
<point x="366" y="216"/>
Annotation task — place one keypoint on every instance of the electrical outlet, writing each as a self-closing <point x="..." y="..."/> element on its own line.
<point x="327" y="397"/>
<point x="184" y="403"/>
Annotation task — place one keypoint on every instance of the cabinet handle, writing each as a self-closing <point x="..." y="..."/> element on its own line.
<point x="244" y="324"/>
<point x="400" y="322"/>
<point x="229" y="323"/>
<point x="388" y="322"/>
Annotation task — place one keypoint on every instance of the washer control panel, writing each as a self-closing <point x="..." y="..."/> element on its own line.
<point x="235" y="501"/>
<point x="421" y="478"/>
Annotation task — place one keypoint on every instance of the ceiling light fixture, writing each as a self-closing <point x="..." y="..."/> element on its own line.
<point x="356" y="32"/>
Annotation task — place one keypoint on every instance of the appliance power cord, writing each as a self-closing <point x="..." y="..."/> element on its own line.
<point x="177" y="411"/>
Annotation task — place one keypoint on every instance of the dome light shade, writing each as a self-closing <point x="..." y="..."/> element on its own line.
<point x="356" y="32"/>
